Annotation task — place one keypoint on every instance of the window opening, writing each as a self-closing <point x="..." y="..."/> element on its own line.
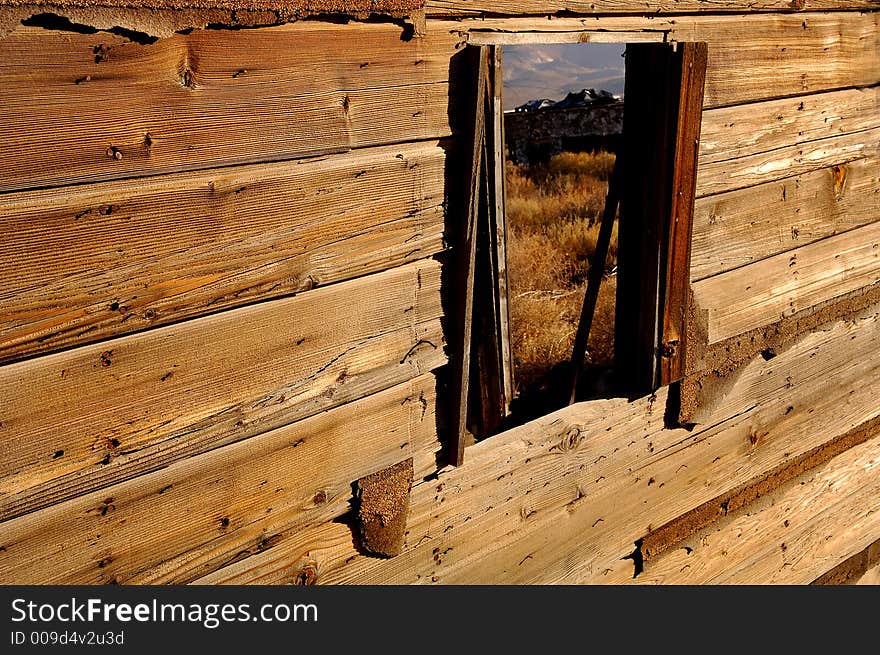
<point x="577" y="222"/>
<point x="563" y="122"/>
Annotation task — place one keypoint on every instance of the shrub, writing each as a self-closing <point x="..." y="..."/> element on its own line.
<point x="553" y="214"/>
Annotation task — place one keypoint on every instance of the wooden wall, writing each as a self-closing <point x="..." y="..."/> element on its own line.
<point x="224" y="282"/>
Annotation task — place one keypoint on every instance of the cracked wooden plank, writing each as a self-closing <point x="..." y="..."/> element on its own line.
<point x="92" y="416"/>
<point x="89" y="107"/>
<point x="197" y="515"/>
<point x="112" y="258"/>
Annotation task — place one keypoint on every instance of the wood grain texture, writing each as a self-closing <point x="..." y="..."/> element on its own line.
<point x="676" y="277"/>
<point x="759" y="378"/>
<point x="86" y="107"/>
<point x="565" y="498"/>
<point x="751" y="57"/>
<point x="82" y="419"/>
<point x="107" y="259"/>
<point x="732" y="132"/>
<point x="741" y="227"/>
<point x="301" y="559"/>
<point x="498" y="229"/>
<point x="653" y="7"/>
<point x="779" y="286"/>
<point x="786" y="161"/>
<point x="792" y="535"/>
<point x="787" y="54"/>
<point x="537" y="38"/>
<point x="184" y="521"/>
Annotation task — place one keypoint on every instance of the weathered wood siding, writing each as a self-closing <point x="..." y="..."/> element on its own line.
<point x="224" y="289"/>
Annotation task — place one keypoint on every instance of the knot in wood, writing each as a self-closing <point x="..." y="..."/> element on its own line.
<point x="305" y="574"/>
<point x="839" y="173"/>
<point x="571" y="440"/>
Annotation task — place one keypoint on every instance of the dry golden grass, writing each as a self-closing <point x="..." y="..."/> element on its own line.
<point x="553" y="214"/>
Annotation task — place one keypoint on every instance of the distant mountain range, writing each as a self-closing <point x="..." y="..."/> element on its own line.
<point x="552" y="71"/>
<point x="583" y="98"/>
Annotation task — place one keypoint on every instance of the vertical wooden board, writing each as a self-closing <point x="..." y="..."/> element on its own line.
<point x="86" y="107"/>
<point x="474" y="168"/>
<point x="499" y="219"/>
<point x="188" y="519"/>
<point x="646" y="139"/>
<point x="88" y="417"/>
<point x="676" y="294"/>
<point x="486" y="408"/>
<point x="664" y="91"/>
<point x="103" y="260"/>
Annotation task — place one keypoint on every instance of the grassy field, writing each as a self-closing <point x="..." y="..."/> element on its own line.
<point x="553" y="214"/>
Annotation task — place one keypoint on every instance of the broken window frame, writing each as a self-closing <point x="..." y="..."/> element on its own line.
<point x="664" y="89"/>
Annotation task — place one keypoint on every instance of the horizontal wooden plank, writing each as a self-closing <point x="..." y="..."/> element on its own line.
<point x="219" y="97"/>
<point x="741" y="227"/>
<point x="792" y="535"/>
<point x="765" y="292"/>
<point x="564" y="498"/>
<point x="652" y="7"/>
<point x="751" y="57"/>
<point x="182" y="522"/>
<point x="107" y="259"/>
<point x="88" y="417"/>
<point x="860" y="568"/>
<point x="536" y="38"/>
<point x="299" y="560"/>
<point x="742" y="172"/>
<point x="739" y="131"/>
<point x="86" y="107"/>
<point x="770" y="375"/>
<point x="772" y="56"/>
